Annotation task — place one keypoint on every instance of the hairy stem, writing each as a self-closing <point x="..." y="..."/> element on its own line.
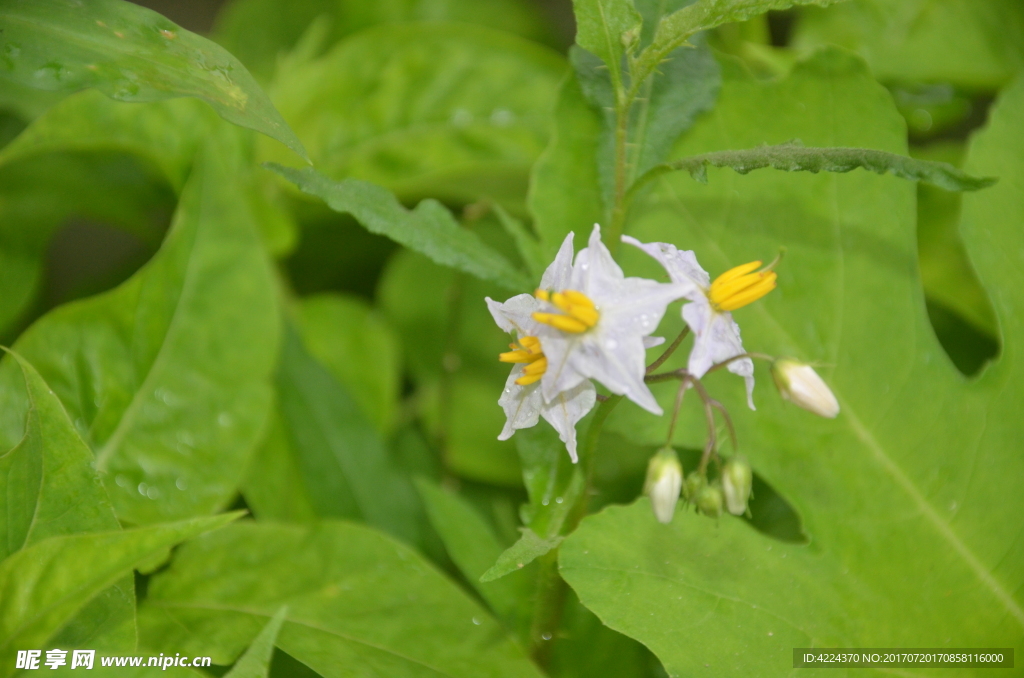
<point x="618" y="214"/>
<point x="551" y="588"/>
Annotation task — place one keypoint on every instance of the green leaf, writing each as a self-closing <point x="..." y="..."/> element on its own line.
<point x="130" y="54"/>
<point x="601" y="26"/>
<point x="274" y="488"/>
<point x="164" y="134"/>
<point x="971" y="44"/>
<point x="795" y="157"/>
<point x="153" y="374"/>
<point x="565" y="189"/>
<point x="528" y="548"/>
<point x="359" y="348"/>
<point x="472" y="544"/>
<point x="453" y="112"/>
<point x="356" y="598"/>
<point x="429" y="229"/>
<point x="526" y="242"/>
<point x="908" y="495"/>
<point x="43" y="586"/>
<point x="50" y="488"/>
<point x="255" y="663"/>
<point x="675" y="29"/>
<point x="259" y="31"/>
<point x="343" y="463"/>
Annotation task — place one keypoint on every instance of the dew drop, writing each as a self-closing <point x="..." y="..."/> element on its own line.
<point x="152" y="492"/>
<point x="558" y="500"/>
<point x="545" y="501"/>
<point x="181" y="484"/>
<point x="122" y="481"/>
<point x="224" y="419"/>
<point x="461" y="117"/>
<point x="546" y="636"/>
<point x="142" y="489"/>
<point x="611" y="344"/>
<point x="476" y="621"/>
<point x="502" y="117"/>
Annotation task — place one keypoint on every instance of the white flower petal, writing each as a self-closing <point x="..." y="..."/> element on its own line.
<point x="716" y="339"/>
<point x="559" y="273"/>
<point x="681" y="265"/>
<point x="651" y="342"/>
<point x="595" y="273"/>
<point x="617" y="360"/>
<point x="565" y="411"/>
<point x="522" y="404"/>
<point x="515" y="314"/>
<point x="562" y="373"/>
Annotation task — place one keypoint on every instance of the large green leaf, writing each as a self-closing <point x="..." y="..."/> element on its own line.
<point x="357" y="600"/>
<point x="50" y="488"/>
<point x="429" y="228"/>
<point x="255" y="663"/>
<point x="453" y="112"/>
<point x="131" y="54"/>
<point x="565" y="187"/>
<point x="43" y="586"/>
<point x="450" y="341"/>
<point x="259" y="31"/>
<point x="359" y="348"/>
<point x="342" y="461"/>
<point x="909" y="495"/>
<point x="153" y="373"/>
<point x="970" y="43"/>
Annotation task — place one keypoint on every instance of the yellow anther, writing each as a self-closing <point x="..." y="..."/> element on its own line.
<point x="527" y="350"/>
<point x="543" y="295"/>
<point x="536" y="367"/>
<point x="562" y="322"/>
<point x="578" y="298"/>
<point x="517" y="356"/>
<point x="531" y="344"/>
<point x="529" y="379"/>
<point x="736" y="272"/>
<point x="741" y="285"/>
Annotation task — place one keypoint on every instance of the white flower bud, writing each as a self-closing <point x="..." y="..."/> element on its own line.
<point x="800" y="384"/>
<point x="664" y="481"/>
<point x="737" y="478"/>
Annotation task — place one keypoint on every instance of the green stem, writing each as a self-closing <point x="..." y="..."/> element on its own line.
<point x="551" y="588"/>
<point x="618" y="214"/>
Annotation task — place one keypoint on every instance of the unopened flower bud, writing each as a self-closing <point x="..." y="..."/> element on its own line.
<point x="800" y="384"/>
<point x="737" y="478"/>
<point x="664" y="480"/>
<point x="693" y="485"/>
<point x="709" y="501"/>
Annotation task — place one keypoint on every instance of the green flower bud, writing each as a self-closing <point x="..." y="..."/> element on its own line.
<point x="664" y="480"/>
<point x="692" y="487"/>
<point x="630" y="38"/>
<point x="709" y="501"/>
<point x="800" y="384"/>
<point x="737" y="478"/>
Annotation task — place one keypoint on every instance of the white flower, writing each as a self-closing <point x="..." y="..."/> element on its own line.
<point x="595" y="323"/>
<point x="800" y="384"/>
<point x="522" y="400"/>
<point x="716" y="334"/>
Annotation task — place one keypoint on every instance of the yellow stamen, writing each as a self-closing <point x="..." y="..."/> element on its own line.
<point x="562" y="322"/>
<point x="580" y="312"/>
<point x="536" y="367"/>
<point x="527" y="350"/>
<point x="741" y="285"/>
<point x="529" y="379"/>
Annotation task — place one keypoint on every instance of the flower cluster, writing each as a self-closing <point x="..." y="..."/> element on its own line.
<point x="588" y="322"/>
